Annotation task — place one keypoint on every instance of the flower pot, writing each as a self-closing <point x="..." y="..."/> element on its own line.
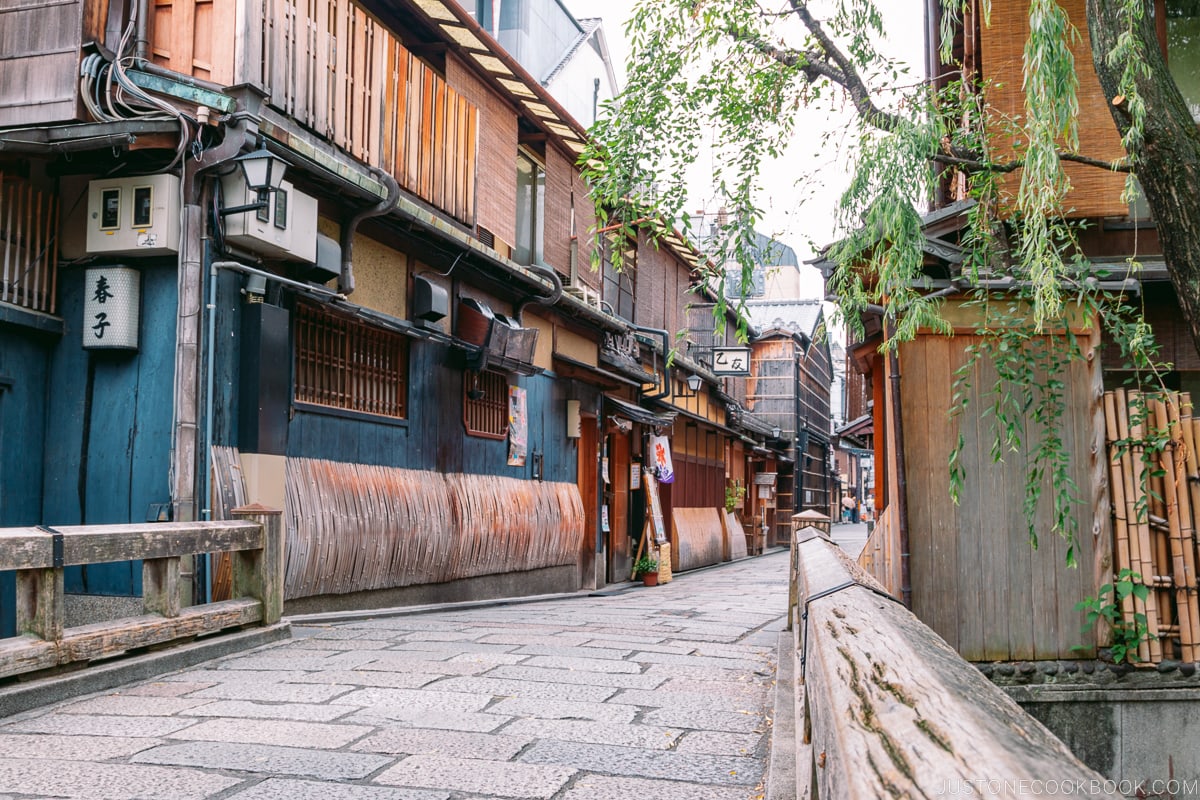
<point x="650" y="578"/>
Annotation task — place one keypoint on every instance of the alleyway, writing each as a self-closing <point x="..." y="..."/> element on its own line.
<point x="661" y="693"/>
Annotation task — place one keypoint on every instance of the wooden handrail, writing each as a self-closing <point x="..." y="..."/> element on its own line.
<point x="39" y="556"/>
<point x="890" y="710"/>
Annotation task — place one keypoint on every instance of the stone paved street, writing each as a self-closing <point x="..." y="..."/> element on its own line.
<point x="661" y="693"/>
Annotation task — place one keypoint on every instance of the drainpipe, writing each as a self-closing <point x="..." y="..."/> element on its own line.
<point x="540" y="299"/>
<point x="141" y="45"/>
<point x="346" y="279"/>
<point x="666" y="339"/>
<point x="901" y="476"/>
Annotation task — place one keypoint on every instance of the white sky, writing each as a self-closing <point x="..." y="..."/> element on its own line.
<point x="801" y="191"/>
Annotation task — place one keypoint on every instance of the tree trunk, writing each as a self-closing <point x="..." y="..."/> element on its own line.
<point x="1168" y="164"/>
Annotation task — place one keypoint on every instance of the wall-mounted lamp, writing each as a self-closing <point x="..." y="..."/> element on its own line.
<point x="775" y="432"/>
<point x="694" y="382"/>
<point x="537" y="465"/>
<point x="263" y="174"/>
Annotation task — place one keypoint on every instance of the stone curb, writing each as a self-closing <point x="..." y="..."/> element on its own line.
<point x="781" y="765"/>
<point x="52" y="689"/>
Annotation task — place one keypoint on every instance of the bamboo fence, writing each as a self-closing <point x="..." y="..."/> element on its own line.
<point x="1155" y="483"/>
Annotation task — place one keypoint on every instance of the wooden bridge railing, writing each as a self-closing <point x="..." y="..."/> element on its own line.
<point x="39" y="555"/>
<point x="885" y="708"/>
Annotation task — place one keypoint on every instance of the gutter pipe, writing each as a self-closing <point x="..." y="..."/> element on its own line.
<point x="383" y="207"/>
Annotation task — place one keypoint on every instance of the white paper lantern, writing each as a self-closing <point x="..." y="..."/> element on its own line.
<point x="111" y="305"/>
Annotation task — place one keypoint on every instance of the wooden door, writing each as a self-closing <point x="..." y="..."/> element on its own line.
<point x="619" y="557"/>
<point x="589" y="477"/>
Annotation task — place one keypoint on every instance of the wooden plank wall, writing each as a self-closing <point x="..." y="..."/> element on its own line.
<point x="975" y="578"/>
<point x="40" y="43"/>
<point x="341" y="73"/>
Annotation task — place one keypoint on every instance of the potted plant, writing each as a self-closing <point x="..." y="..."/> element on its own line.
<point x="646" y="568"/>
<point x="735" y="492"/>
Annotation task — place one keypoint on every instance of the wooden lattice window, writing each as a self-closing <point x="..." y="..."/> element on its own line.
<point x="485" y="404"/>
<point x="345" y="363"/>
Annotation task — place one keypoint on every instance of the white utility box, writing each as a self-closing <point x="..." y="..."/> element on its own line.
<point x="137" y="216"/>
<point x="286" y="228"/>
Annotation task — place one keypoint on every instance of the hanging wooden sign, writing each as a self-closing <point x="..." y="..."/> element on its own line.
<point x="654" y="505"/>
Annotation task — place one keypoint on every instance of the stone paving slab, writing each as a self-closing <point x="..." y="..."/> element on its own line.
<point x="429" y="718"/>
<point x="610" y="759"/>
<point x="285" y="733"/>
<point x="100" y="725"/>
<point x="368" y="677"/>
<point x="652" y="737"/>
<point x="298" y="712"/>
<point x="274" y="692"/>
<point x="291" y="789"/>
<point x="71" y="748"/>
<point x="586" y="664"/>
<point x="494" y="778"/>
<point x="92" y="781"/>
<point x="423" y="741"/>
<point x="165" y="688"/>
<point x="266" y="759"/>
<point x="615" y="680"/>
<point x="377" y="698"/>
<point x="499" y="687"/>
<point x="131" y="705"/>
<point x="719" y="744"/>
<point x="604" y="787"/>
<point x="563" y="709"/>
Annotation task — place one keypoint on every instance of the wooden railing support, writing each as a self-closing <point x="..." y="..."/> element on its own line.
<point x="891" y="710"/>
<point x="259" y="573"/>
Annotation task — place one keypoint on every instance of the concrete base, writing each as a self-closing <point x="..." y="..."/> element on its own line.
<point x="31" y="693"/>
<point x="1136" y="737"/>
<point x="551" y="580"/>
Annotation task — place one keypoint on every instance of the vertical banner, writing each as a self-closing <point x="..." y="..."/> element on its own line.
<point x="518" y="427"/>
<point x="660" y="451"/>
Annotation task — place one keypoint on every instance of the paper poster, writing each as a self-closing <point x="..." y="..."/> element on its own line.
<point x="635" y="476"/>
<point x="660" y="451"/>
<point x="604" y="518"/>
<point x="518" y="427"/>
<point x="604" y="469"/>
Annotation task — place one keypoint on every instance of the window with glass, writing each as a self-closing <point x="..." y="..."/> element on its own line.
<point x="1183" y="49"/>
<point x="618" y="277"/>
<point x="531" y="203"/>
<point x="347" y="364"/>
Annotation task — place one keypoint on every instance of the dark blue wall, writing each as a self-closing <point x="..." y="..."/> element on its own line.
<point x="24" y="359"/>
<point x="129" y="424"/>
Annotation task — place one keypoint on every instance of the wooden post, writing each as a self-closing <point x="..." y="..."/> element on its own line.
<point x="259" y="573"/>
<point x="160" y="586"/>
<point x="40" y="603"/>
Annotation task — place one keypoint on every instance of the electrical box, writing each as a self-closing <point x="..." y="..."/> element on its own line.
<point x="285" y="228"/>
<point x="137" y="216"/>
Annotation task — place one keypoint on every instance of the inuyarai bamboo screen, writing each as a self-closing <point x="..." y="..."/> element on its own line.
<point x="345" y="363"/>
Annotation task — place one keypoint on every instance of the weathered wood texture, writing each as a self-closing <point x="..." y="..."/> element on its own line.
<point x="880" y="557"/>
<point x="976" y="577"/>
<point x="1155" y="484"/>
<point x="357" y="527"/>
<point x="340" y="72"/>
<point x="735" y="537"/>
<point x="892" y="710"/>
<point x="42" y="641"/>
<point x="699" y="535"/>
<point x="28" y="225"/>
<point x="40" y="42"/>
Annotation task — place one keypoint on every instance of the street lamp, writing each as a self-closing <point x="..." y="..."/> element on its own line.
<point x="263" y="174"/>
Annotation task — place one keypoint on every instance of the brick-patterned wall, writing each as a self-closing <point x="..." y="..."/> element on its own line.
<point x="556" y="241"/>
<point x="496" y="181"/>
<point x="655" y="274"/>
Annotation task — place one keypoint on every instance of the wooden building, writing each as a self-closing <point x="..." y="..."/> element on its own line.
<point x="970" y="571"/>
<point x="403" y="344"/>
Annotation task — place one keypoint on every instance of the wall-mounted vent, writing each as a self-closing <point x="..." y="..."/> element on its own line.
<point x="493" y="241"/>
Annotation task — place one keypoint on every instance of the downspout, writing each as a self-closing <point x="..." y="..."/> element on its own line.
<point x="346" y="279"/>
<point x="901" y="476"/>
<point x="666" y="339"/>
<point x="141" y="45"/>
<point x="540" y="299"/>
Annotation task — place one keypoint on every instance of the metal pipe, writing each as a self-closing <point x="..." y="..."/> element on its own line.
<point x="538" y="299"/>
<point x="901" y="475"/>
<point x="141" y="45"/>
<point x="666" y="339"/>
<point x="346" y="279"/>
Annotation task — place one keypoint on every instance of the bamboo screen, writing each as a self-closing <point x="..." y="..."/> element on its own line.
<point x="1097" y="192"/>
<point x="485" y="405"/>
<point x="344" y="363"/>
<point x="28" y="254"/>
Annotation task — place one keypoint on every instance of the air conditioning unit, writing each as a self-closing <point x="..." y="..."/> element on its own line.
<point x="136" y="216"/>
<point x="584" y="293"/>
<point x="286" y="228"/>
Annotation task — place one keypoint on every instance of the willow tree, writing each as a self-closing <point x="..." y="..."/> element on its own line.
<point x="739" y="76"/>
